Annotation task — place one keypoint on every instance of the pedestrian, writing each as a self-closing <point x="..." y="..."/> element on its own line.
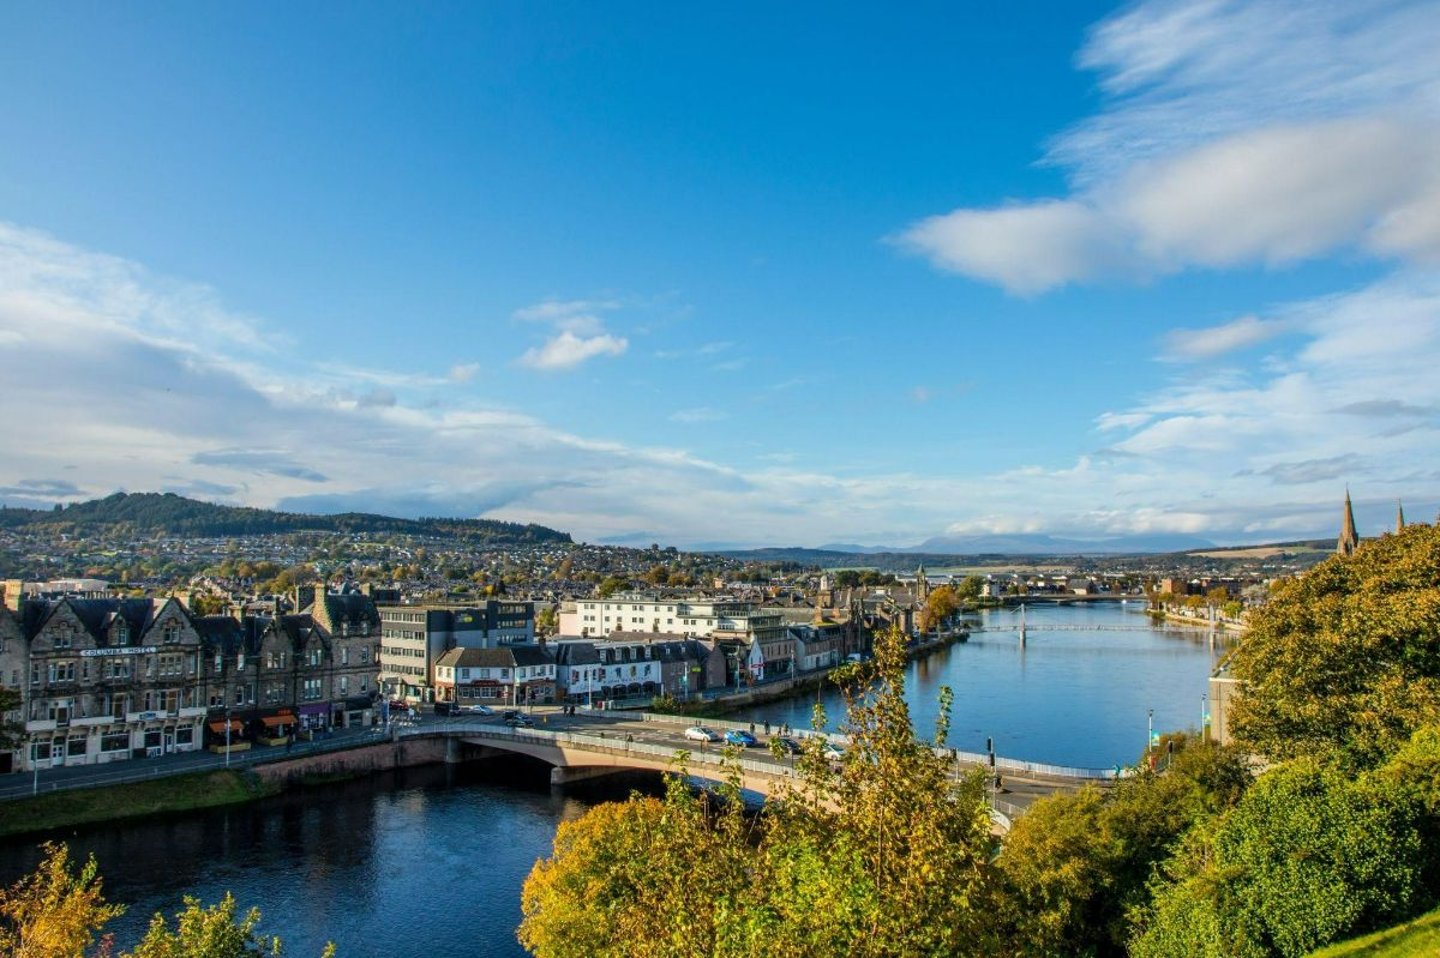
<point x="290" y="742"/>
<point x="752" y="728"/>
<point x="767" y="726"/>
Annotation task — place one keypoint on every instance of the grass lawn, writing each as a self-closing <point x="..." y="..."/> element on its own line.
<point x="1413" y="939"/>
<point x="137" y="799"/>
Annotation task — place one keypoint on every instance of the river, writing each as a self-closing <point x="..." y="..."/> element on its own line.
<point x="1079" y="698"/>
<point x="428" y="863"/>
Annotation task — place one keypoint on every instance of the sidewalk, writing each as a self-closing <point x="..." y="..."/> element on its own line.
<point x="25" y="784"/>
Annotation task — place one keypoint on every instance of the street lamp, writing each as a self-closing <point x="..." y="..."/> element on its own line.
<point x="227" y="736"/>
<point x="1150" y="734"/>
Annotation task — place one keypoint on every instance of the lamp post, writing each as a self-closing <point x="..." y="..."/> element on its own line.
<point x="227" y="736"/>
<point x="1150" y="733"/>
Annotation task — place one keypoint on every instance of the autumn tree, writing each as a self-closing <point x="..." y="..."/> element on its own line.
<point x="54" y="912"/>
<point x="1075" y="866"/>
<point x="1346" y="656"/>
<point x="939" y="606"/>
<point x="214" y="932"/>
<point x="884" y="856"/>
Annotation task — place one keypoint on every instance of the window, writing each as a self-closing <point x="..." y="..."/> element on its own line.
<point x="172" y="665"/>
<point x="316" y="656"/>
<point x="75" y="745"/>
<point x="120" y="635"/>
<point x="345" y="655"/>
<point x="115" y="742"/>
<point x="62" y="671"/>
<point x="63" y="638"/>
<point x="171" y="634"/>
<point x="344" y="685"/>
<point x="40" y="751"/>
<point x="311" y="691"/>
<point x="185" y="735"/>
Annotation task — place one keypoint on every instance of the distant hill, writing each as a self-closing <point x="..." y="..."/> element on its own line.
<point x="1026" y="551"/>
<point x="169" y="514"/>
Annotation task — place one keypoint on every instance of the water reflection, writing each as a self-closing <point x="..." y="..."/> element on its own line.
<point x="426" y="861"/>
<point x="1064" y="697"/>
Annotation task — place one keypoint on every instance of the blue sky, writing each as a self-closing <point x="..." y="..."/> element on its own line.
<point x="743" y="275"/>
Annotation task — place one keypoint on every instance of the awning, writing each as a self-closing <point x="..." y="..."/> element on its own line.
<point x="219" y="727"/>
<point x="272" y="721"/>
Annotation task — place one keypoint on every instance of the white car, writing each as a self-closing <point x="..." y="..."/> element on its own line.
<point x="475" y="710"/>
<point x="699" y="733"/>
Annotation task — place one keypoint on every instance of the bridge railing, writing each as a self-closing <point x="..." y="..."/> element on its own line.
<point x="616" y="744"/>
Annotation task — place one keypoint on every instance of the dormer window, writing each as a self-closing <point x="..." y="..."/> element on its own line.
<point x="171" y="633"/>
<point x="120" y="635"/>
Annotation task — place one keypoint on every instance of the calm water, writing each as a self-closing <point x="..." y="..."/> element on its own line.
<point x="422" y="863"/>
<point x="427" y="863"/>
<point x="1067" y="698"/>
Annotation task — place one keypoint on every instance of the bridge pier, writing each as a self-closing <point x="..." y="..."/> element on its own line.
<point x="562" y="775"/>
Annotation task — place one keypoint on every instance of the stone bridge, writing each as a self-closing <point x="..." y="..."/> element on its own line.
<point x="650" y="746"/>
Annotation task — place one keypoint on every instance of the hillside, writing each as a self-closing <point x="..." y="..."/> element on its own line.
<point x="169" y="514"/>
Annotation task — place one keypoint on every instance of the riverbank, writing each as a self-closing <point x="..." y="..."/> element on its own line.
<point x="779" y="691"/>
<point x="1197" y="622"/>
<point x="128" y="801"/>
<point x="133" y="800"/>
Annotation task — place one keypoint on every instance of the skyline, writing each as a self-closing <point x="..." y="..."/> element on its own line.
<point x="708" y="278"/>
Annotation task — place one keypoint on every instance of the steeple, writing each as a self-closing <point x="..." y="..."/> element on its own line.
<point x="1348" y="540"/>
<point x="1399" y="517"/>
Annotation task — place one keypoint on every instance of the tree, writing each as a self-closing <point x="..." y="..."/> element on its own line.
<point x="1346" y="656"/>
<point x="1076" y="866"/>
<point x="885" y="856"/>
<point x="940" y="604"/>
<point x="969" y="588"/>
<point x="1311" y="854"/>
<point x="545" y="620"/>
<point x="54" y="912"/>
<point x="612" y="584"/>
<point x="212" y="932"/>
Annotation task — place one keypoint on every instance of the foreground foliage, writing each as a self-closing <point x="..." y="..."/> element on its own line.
<point x="887" y="856"/>
<point x="1346" y="657"/>
<point x="58" y="913"/>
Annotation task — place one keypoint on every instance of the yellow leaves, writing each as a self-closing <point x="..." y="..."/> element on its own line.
<point x="53" y="913"/>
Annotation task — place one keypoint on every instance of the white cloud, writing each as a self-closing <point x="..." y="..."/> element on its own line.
<point x="463" y="372"/>
<point x="580" y="333"/>
<point x="1265" y="132"/>
<point x="1027" y="248"/>
<point x="106" y="400"/>
<point x="1197" y="344"/>
<point x="567" y="350"/>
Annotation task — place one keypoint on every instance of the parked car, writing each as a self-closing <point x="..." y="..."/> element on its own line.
<point x="699" y="733"/>
<point x="510" y="713"/>
<point x="741" y="738"/>
<point x="520" y="721"/>
<point x="833" y="752"/>
<point x="787" y="745"/>
<point x="475" y="710"/>
<point x="446" y="708"/>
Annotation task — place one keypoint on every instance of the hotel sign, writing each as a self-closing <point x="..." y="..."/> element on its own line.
<point x="120" y="650"/>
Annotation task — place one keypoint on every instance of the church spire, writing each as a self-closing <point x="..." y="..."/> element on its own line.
<point x="1399" y="517"/>
<point x="1348" y="540"/>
